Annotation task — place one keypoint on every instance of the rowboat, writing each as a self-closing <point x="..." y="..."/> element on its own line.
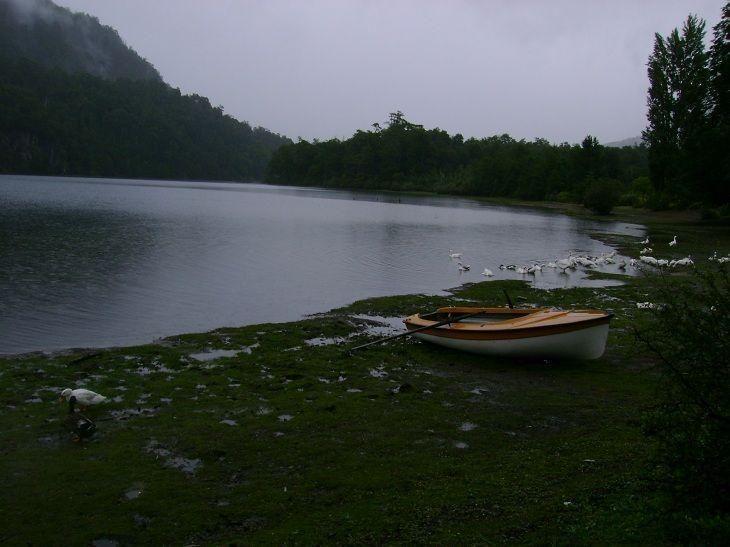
<point x="516" y="332"/>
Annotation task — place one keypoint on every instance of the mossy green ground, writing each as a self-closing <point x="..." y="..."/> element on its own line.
<point x="402" y="443"/>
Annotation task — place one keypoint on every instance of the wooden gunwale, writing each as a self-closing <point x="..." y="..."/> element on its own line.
<point x="507" y="330"/>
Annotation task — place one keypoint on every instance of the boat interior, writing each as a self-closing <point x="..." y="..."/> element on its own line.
<point x="488" y="315"/>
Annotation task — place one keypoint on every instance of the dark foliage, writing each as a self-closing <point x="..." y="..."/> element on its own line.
<point x="601" y="196"/>
<point x="718" y="142"/>
<point x="55" y="37"/>
<point x="55" y="123"/>
<point x="687" y="133"/>
<point x="690" y="335"/>
<point x="405" y="156"/>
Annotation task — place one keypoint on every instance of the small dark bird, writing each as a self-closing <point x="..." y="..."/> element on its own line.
<point x="81" y="427"/>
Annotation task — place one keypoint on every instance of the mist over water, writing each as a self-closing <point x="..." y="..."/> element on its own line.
<point x="95" y="262"/>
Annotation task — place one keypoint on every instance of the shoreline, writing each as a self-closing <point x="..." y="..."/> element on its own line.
<point x="620" y="213"/>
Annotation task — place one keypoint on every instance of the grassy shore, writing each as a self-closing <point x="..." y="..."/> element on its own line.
<point x="286" y="442"/>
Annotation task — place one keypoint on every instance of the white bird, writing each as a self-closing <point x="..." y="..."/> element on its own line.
<point x="487" y="272"/>
<point x="586" y="262"/>
<point x="622" y="265"/>
<point x="565" y="263"/>
<point x="452" y="254"/>
<point x="713" y="258"/>
<point x="534" y="269"/>
<point x="662" y="262"/>
<point x="463" y="267"/>
<point x="632" y="262"/>
<point x="724" y="259"/>
<point x="551" y="265"/>
<point x="687" y="261"/>
<point x="521" y="270"/>
<point x="649" y="260"/>
<point x="84" y="397"/>
<point x="645" y="251"/>
<point x="673" y="242"/>
<point x="646" y="306"/>
<point x="646" y="241"/>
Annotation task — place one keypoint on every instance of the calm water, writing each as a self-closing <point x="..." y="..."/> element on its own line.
<point x="96" y="262"/>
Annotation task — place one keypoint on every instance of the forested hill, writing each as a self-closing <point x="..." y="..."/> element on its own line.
<point x="55" y="37"/>
<point x="54" y="123"/>
<point x="405" y="156"/>
<point x="74" y="100"/>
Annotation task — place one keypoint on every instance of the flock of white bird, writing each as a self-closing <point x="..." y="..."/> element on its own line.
<point x="574" y="260"/>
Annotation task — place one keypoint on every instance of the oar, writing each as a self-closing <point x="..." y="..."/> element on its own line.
<point x="419" y="329"/>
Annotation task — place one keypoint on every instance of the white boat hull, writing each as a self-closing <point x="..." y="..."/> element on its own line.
<point x="586" y="343"/>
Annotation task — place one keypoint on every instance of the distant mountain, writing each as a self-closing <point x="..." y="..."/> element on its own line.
<point x="631" y="141"/>
<point x="75" y="100"/>
<point x="55" y="37"/>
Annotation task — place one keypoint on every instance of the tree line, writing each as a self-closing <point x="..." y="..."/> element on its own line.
<point x="405" y="156"/>
<point x="57" y="123"/>
<point x="685" y="161"/>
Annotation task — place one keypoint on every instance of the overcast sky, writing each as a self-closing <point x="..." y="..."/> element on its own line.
<point x="557" y="69"/>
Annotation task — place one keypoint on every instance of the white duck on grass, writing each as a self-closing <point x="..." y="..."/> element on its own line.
<point x="83" y="397"/>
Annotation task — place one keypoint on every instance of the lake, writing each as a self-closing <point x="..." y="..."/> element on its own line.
<point x="102" y="262"/>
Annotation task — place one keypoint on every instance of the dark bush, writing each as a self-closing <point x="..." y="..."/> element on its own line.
<point x="690" y="336"/>
<point x="602" y="195"/>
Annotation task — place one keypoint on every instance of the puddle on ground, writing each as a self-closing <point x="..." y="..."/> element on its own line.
<point x="249" y="349"/>
<point x="146" y="371"/>
<point x="186" y="465"/>
<point x="213" y="354"/>
<point x="126" y="413"/>
<point x="141" y="521"/>
<point x="135" y="491"/>
<point x="49" y="440"/>
<point x="384" y="326"/>
<point x="323" y="341"/>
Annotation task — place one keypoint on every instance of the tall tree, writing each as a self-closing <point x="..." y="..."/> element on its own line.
<point x="719" y="144"/>
<point x="678" y="104"/>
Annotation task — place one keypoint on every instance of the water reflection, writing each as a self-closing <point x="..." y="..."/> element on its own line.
<point x="94" y="262"/>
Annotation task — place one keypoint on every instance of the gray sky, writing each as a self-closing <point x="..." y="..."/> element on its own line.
<point x="557" y="69"/>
